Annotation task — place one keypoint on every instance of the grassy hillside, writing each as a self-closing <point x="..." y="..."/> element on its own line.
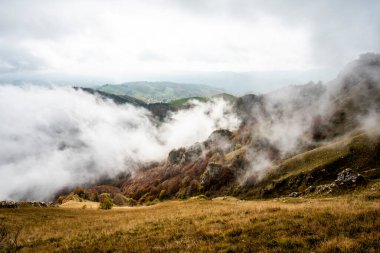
<point x="342" y="224"/>
<point x="152" y="92"/>
<point x="182" y="102"/>
<point x="117" y="98"/>
<point x="319" y="167"/>
<point x="179" y="103"/>
<point x="364" y="148"/>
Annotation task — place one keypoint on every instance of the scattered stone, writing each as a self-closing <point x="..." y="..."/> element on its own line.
<point x="310" y="189"/>
<point x="346" y="179"/>
<point x="326" y="188"/>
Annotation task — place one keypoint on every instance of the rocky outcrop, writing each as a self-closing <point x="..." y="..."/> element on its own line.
<point x="184" y="155"/>
<point x="349" y="179"/>
<point x="326" y="189"/>
<point x="295" y="194"/>
<point x="211" y="175"/>
<point x="8" y="204"/>
<point x="346" y="180"/>
<point x="14" y="204"/>
<point x="175" y="156"/>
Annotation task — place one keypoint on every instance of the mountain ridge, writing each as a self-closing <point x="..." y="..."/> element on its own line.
<point x="154" y="92"/>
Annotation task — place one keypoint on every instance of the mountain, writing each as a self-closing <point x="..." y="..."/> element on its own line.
<point x="159" y="110"/>
<point x="153" y="92"/>
<point x="306" y="140"/>
<point x="184" y="102"/>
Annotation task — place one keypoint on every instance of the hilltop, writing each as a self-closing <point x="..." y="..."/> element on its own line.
<point x="160" y="110"/>
<point x="156" y="92"/>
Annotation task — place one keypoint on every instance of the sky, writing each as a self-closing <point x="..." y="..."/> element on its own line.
<point x="240" y="45"/>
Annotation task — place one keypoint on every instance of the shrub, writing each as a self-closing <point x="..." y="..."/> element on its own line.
<point x="146" y="198"/>
<point x="80" y="192"/>
<point x="173" y="185"/>
<point x="162" y="195"/>
<point x="120" y="200"/>
<point x="105" y="201"/>
<point x="61" y="199"/>
<point x="193" y="187"/>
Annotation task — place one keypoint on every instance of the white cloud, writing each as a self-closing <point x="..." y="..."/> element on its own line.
<point x="53" y="138"/>
<point x="108" y="38"/>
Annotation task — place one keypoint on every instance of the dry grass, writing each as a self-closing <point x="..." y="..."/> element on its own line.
<point x="80" y="204"/>
<point x="284" y="225"/>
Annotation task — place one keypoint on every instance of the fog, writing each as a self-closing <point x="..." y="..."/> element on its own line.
<point x="287" y="120"/>
<point x="52" y="138"/>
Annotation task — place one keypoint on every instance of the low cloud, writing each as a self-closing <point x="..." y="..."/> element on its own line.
<point x="297" y="118"/>
<point x="53" y="138"/>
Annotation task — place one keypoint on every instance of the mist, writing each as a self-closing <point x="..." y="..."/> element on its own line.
<point x="289" y="121"/>
<point x="53" y="138"/>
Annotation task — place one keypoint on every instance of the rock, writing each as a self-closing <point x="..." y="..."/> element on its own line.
<point x="294" y="194"/>
<point x="212" y="174"/>
<point x="326" y="188"/>
<point x="193" y="151"/>
<point x="175" y="156"/>
<point x="8" y="204"/>
<point x="310" y="189"/>
<point x="346" y="179"/>
<point x="220" y="139"/>
<point x="182" y="155"/>
<point x="349" y="179"/>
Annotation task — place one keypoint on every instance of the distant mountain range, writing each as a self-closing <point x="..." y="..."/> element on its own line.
<point x="158" y="109"/>
<point x="155" y="92"/>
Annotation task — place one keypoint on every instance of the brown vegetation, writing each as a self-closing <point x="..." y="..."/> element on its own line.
<point x="344" y="224"/>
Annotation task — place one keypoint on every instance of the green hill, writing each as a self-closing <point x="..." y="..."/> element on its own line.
<point x="153" y="92"/>
<point x="181" y="103"/>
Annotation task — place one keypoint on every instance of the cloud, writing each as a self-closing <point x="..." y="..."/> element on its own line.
<point x="289" y="121"/>
<point x="53" y="138"/>
<point x="337" y="28"/>
<point x="121" y="41"/>
<point x="87" y="34"/>
<point x="14" y="60"/>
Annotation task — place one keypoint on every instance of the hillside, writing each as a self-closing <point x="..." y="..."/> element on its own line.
<point x="184" y="102"/>
<point x="307" y="140"/>
<point x="154" y="92"/>
<point x="159" y="110"/>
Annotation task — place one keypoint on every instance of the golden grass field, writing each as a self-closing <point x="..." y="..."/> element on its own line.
<point x="340" y="224"/>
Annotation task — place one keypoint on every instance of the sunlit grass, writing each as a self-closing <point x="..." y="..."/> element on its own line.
<point x="344" y="224"/>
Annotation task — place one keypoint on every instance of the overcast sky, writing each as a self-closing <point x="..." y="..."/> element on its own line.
<point x="119" y="41"/>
